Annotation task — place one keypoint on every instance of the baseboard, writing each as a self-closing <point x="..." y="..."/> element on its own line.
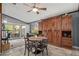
<point x="75" y="47"/>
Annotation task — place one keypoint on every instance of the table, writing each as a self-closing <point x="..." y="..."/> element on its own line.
<point x="37" y="38"/>
<point x="36" y="41"/>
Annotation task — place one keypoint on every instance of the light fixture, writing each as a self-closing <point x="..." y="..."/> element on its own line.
<point x="66" y="14"/>
<point x="17" y="26"/>
<point x="4" y="21"/>
<point x="23" y="27"/>
<point x="35" y="9"/>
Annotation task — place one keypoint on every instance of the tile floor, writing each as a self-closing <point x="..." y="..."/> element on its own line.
<point x="18" y="50"/>
<point x="52" y="51"/>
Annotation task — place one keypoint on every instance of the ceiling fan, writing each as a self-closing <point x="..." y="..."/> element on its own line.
<point x="34" y="8"/>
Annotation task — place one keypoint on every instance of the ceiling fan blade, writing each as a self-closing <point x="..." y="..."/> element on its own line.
<point x="28" y="5"/>
<point x="42" y="8"/>
<point x="37" y="12"/>
<point x="29" y="11"/>
<point x="14" y="3"/>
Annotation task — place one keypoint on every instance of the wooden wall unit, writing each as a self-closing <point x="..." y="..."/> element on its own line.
<point x="0" y="23"/>
<point x="67" y="28"/>
<point x="53" y="27"/>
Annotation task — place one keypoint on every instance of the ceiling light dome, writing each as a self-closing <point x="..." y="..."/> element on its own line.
<point x="23" y="27"/>
<point x="35" y="9"/>
<point x="5" y="21"/>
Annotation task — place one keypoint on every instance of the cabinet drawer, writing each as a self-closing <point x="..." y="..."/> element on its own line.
<point x="67" y="43"/>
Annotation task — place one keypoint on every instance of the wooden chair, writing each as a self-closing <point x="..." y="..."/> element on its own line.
<point x="43" y="46"/>
<point x="38" y="46"/>
<point x="28" y="46"/>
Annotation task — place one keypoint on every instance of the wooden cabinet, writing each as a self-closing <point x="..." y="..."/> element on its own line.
<point x="67" y="27"/>
<point x="53" y="28"/>
<point x="56" y="31"/>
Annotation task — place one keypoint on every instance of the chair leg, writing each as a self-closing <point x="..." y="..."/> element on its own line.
<point x="35" y="53"/>
<point x="25" y="51"/>
<point x="28" y="51"/>
<point x="47" y="51"/>
<point x="35" y="50"/>
<point x="42" y="52"/>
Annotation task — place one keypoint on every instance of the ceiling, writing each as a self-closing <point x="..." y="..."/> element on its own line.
<point x="19" y="10"/>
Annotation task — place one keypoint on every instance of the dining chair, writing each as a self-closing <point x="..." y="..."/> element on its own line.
<point x="37" y="46"/>
<point x="28" y="46"/>
<point x="43" y="46"/>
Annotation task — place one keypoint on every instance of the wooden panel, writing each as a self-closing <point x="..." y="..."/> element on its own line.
<point x="66" y="23"/>
<point x="67" y="42"/>
<point x="56" y="31"/>
<point x="49" y="26"/>
<point x="49" y="36"/>
<point x="58" y="23"/>
<point x="67" y="26"/>
<point x="0" y="8"/>
<point x="0" y="24"/>
<point x="56" y="38"/>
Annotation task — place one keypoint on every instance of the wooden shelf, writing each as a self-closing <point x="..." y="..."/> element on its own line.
<point x="66" y="38"/>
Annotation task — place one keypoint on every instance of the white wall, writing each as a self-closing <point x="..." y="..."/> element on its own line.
<point x="27" y="28"/>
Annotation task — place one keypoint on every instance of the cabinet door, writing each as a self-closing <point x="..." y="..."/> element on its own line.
<point x="49" y="36"/>
<point x="66" y="23"/>
<point x="56" y="37"/>
<point x="56" y="31"/>
<point x="67" y="42"/>
<point x="57" y="23"/>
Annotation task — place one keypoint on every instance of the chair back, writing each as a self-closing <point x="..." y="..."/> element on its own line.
<point x="45" y="42"/>
<point x="26" y="39"/>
